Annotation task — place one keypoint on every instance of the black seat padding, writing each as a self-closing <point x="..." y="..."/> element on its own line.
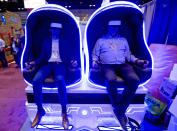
<point x="83" y="98"/>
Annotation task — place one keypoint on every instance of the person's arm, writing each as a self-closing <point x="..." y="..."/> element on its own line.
<point x="32" y="64"/>
<point x="96" y="53"/>
<point x="41" y="56"/>
<point x="73" y="58"/>
<point x="142" y="63"/>
<point x="129" y="56"/>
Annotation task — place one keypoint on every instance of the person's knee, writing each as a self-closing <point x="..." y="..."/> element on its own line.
<point x="59" y="78"/>
<point x="136" y="80"/>
<point x="60" y="81"/>
<point x="133" y="80"/>
<point x="37" y="79"/>
<point x="110" y="77"/>
<point x="111" y="83"/>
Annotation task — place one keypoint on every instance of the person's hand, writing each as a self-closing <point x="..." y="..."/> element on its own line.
<point x="142" y="63"/>
<point x="74" y="63"/>
<point x="95" y="64"/>
<point x="30" y="65"/>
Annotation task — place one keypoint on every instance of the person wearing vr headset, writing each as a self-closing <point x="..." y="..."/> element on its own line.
<point x="113" y="54"/>
<point x="53" y="58"/>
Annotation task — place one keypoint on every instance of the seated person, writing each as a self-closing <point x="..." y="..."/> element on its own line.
<point x="53" y="58"/>
<point x="113" y="54"/>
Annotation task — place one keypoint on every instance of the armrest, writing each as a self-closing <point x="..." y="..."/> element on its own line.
<point x="143" y="73"/>
<point x="74" y="69"/>
<point x="29" y="73"/>
<point x="95" y="70"/>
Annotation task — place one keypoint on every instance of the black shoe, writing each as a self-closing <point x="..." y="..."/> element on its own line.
<point x="122" y="119"/>
<point x="65" y="121"/>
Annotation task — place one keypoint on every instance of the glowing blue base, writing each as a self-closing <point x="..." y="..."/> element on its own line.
<point x="84" y="116"/>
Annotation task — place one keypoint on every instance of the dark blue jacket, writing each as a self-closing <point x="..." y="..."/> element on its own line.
<point x="65" y="51"/>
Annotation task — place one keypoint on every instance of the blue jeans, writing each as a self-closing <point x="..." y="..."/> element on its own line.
<point x="3" y="59"/>
<point x="59" y="76"/>
<point x="126" y="71"/>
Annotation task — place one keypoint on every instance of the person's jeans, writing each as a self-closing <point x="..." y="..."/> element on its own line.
<point x="59" y="76"/>
<point x="126" y="71"/>
<point x="3" y="59"/>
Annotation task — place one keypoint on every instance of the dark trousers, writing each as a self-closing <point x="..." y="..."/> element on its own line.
<point x="59" y="76"/>
<point x="3" y="59"/>
<point x="126" y="71"/>
<point x="15" y="58"/>
<point x="18" y="57"/>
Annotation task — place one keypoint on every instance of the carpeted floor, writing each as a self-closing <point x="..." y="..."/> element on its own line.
<point x="12" y="99"/>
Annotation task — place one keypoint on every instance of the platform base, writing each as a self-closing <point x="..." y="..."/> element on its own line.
<point x="85" y="116"/>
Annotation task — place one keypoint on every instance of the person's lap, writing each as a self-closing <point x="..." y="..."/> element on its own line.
<point x="57" y="70"/>
<point x="130" y="77"/>
<point x="126" y="71"/>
